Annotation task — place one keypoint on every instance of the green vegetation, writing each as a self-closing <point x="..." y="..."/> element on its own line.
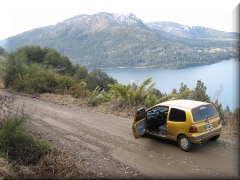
<point x="17" y="145"/>
<point x="36" y="157"/>
<point x="36" y="70"/>
<point x="134" y="95"/>
<point x="127" y="46"/>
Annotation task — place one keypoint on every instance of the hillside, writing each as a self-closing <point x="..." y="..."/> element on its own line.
<point x="182" y="31"/>
<point x="106" y="40"/>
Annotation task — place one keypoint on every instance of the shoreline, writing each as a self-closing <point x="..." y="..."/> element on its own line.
<point x="151" y="67"/>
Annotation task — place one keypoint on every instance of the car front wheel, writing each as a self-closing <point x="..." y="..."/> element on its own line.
<point x="184" y="143"/>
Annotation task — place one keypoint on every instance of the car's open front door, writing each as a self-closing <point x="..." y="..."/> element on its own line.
<point x="139" y="123"/>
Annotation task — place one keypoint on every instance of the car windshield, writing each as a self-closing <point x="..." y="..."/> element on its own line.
<point x="203" y="112"/>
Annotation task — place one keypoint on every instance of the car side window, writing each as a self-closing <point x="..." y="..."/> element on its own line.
<point x="177" y="115"/>
<point x="141" y="114"/>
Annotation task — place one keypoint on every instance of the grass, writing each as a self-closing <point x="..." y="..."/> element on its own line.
<point x="32" y="158"/>
<point x="19" y="146"/>
<point x="58" y="165"/>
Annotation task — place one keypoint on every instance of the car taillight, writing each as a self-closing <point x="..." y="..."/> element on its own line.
<point x="219" y="121"/>
<point x="192" y="129"/>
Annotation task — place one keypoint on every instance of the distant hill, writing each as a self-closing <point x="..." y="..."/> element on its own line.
<point x="106" y="40"/>
<point x="195" y="32"/>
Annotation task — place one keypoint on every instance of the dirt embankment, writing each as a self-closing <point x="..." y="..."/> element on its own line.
<point x="104" y="145"/>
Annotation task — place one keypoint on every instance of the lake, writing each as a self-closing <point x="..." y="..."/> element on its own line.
<point x="224" y="74"/>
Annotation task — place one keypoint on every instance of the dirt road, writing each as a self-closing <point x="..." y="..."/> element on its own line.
<point x="105" y="145"/>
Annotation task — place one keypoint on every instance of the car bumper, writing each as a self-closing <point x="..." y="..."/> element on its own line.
<point x="198" y="137"/>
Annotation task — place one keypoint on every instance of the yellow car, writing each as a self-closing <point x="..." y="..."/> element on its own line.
<point x="185" y="121"/>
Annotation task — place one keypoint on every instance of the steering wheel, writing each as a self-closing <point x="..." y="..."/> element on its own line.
<point x="158" y="115"/>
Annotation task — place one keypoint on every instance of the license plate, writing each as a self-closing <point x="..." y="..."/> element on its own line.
<point x="209" y="126"/>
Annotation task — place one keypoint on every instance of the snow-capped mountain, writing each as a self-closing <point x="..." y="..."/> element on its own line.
<point x="102" y="20"/>
<point x="179" y="30"/>
<point x="117" y="40"/>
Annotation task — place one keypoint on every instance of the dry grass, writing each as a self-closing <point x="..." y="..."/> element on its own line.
<point x="6" y="170"/>
<point x="1" y="85"/>
<point x="113" y="107"/>
<point x="62" y="99"/>
<point x="56" y="165"/>
<point x="230" y="132"/>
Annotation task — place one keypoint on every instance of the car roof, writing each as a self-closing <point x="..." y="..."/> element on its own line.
<point x="190" y="104"/>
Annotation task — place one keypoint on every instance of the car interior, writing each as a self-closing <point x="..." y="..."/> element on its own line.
<point x="156" y="120"/>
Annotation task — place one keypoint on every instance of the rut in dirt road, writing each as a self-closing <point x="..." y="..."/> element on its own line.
<point x="105" y="145"/>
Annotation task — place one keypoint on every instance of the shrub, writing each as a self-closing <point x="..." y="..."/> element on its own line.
<point x="79" y="90"/>
<point x="98" y="97"/>
<point x="236" y="118"/>
<point x="135" y="95"/>
<point x="17" y="144"/>
<point x="151" y="100"/>
<point x="98" y="78"/>
<point x="63" y="83"/>
<point x="45" y="81"/>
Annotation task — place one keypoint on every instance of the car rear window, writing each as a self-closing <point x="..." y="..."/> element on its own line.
<point x="203" y="112"/>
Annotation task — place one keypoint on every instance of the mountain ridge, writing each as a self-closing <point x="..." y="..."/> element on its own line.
<point x="114" y="40"/>
<point x="190" y="31"/>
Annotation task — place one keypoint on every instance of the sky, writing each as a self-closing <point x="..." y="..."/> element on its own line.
<point x="17" y="16"/>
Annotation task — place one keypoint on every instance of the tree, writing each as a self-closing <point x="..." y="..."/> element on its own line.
<point x="2" y="51"/>
<point x="183" y="88"/>
<point x="157" y="92"/>
<point x="98" y="78"/>
<point x="52" y="58"/>
<point x="14" y="68"/>
<point x="81" y="72"/>
<point x="174" y="91"/>
<point x="200" y="92"/>
<point x="34" y="54"/>
<point x="60" y="63"/>
<point x="227" y="110"/>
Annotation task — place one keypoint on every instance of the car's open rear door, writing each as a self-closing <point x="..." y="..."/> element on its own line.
<point x="139" y="123"/>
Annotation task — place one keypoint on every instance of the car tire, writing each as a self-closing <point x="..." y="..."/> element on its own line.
<point x="184" y="143"/>
<point x="214" y="138"/>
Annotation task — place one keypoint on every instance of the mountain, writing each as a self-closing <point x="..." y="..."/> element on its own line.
<point x="106" y="40"/>
<point x="182" y="31"/>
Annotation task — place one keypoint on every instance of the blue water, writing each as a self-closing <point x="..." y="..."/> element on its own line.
<point x="223" y="75"/>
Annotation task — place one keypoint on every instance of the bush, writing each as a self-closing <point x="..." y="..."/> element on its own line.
<point x="63" y="83"/>
<point x="236" y="118"/>
<point x="79" y="90"/>
<point x="134" y="95"/>
<point x="40" y="82"/>
<point x="45" y="81"/>
<point x="18" y="145"/>
<point x="98" y="78"/>
<point x="98" y="97"/>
